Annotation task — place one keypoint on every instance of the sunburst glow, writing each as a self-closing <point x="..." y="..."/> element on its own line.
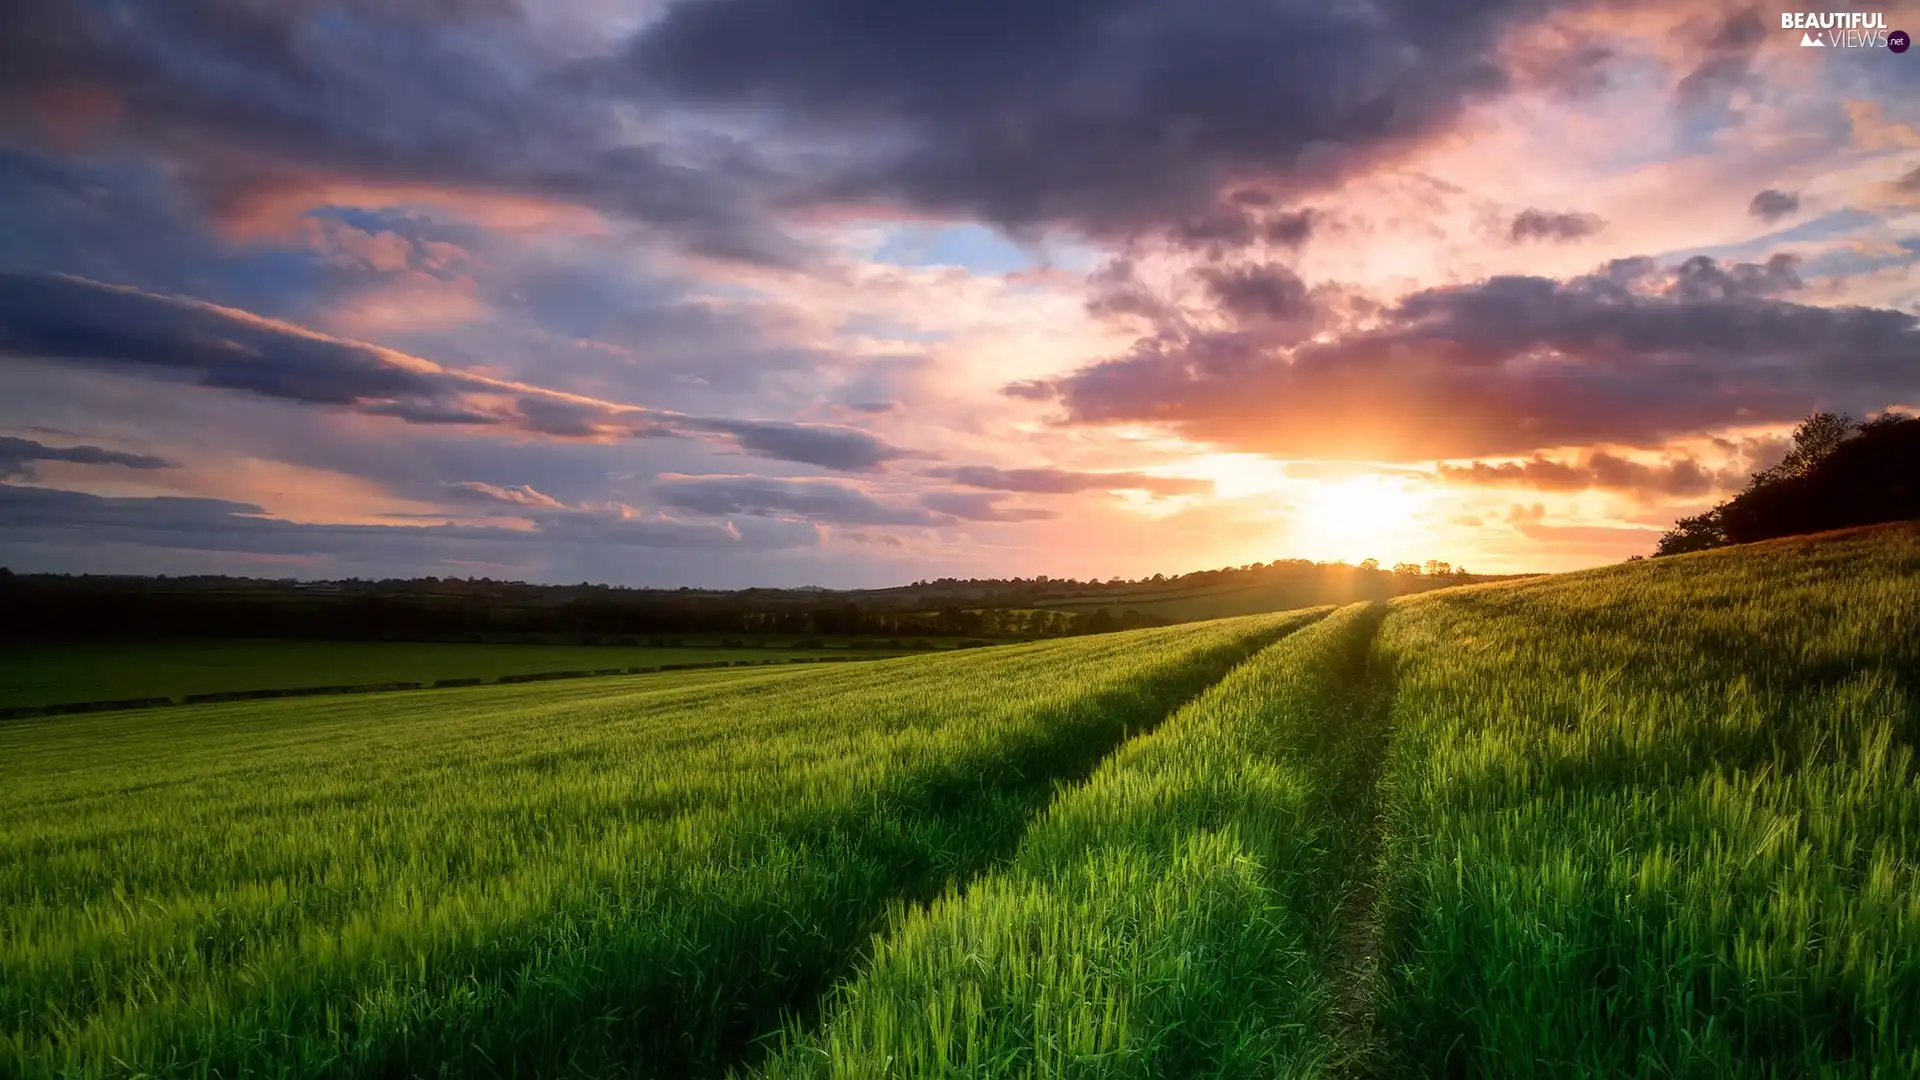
<point x="1359" y="517"/>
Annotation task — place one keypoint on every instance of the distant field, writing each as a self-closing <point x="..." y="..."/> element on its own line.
<point x="1658" y="820"/>
<point x="47" y="675"/>
<point x="1225" y="602"/>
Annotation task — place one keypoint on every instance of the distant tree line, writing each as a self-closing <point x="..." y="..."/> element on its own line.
<point x="43" y="608"/>
<point x="1839" y="473"/>
<point x="455" y="609"/>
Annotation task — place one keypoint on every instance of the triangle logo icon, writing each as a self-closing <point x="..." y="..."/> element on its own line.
<point x="1809" y="41"/>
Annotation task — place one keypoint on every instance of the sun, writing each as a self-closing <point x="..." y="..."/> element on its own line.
<point x="1358" y="517"/>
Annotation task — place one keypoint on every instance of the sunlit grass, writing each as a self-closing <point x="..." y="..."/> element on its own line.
<point x="1661" y="820"/>
<point x="1177" y="915"/>
<point x="522" y="880"/>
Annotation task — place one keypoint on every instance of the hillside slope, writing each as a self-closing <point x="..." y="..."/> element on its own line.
<point x="1660" y="819"/>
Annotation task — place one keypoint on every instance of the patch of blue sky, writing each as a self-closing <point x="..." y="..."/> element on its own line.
<point x="980" y="249"/>
<point x="976" y="248"/>
<point x="1824" y="228"/>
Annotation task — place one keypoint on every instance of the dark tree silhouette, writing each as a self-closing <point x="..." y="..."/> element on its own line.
<point x="1839" y="473"/>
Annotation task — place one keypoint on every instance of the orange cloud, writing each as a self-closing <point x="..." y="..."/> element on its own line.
<point x="276" y="208"/>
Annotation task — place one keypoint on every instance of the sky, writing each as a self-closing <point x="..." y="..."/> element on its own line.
<point x="857" y="292"/>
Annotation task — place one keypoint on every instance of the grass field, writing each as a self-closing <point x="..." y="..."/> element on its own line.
<point x="1656" y="820"/>
<point x="506" y="880"/>
<point x="1177" y="915"/>
<point x="1660" y="820"/>
<point x="54" y="674"/>
<point x="1195" y="603"/>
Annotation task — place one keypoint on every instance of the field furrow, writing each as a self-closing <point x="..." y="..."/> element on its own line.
<point x="1177" y="915"/>
<point x="522" y="881"/>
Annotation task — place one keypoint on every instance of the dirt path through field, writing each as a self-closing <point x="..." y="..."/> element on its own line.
<point x="1356" y="961"/>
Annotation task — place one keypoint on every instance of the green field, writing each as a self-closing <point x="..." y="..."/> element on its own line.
<point x="1655" y="820"/>
<point x="55" y="674"/>
<point x="504" y="879"/>
<point x="1661" y="820"/>
<point x="1187" y="603"/>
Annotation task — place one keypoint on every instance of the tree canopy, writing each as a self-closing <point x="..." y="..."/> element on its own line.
<point x="1839" y="473"/>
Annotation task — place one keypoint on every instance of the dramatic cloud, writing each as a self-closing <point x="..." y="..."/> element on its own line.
<point x="1683" y="477"/>
<point x="1114" y="291"/>
<point x="829" y="502"/>
<point x="833" y="502"/>
<point x="1633" y="354"/>
<point x="1051" y="481"/>
<point x="1119" y="115"/>
<point x="1111" y="115"/>
<point x="519" y="496"/>
<point x="1241" y="219"/>
<point x="554" y="266"/>
<point x="980" y="506"/>
<point x="54" y="317"/>
<point x="1257" y="292"/>
<point x="1531" y="224"/>
<point x="31" y="515"/>
<point x="18" y="455"/>
<point x="1773" y="204"/>
<point x="827" y="445"/>
<point x="253" y="103"/>
<point x="58" y="317"/>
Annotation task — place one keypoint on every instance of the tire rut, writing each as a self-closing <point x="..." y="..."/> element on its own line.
<point x="1356" y="957"/>
<point x="1028" y="800"/>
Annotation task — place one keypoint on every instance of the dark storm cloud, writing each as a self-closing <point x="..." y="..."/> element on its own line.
<point x="1681" y="477"/>
<point x="17" y="457"/>
<point x="1632" y="354"/>
<point x="980" y="506"/>
<point x="1773" y="204"/>
<point x="1257" y="292"/>
<point x="1290" y="229"/>
<point x="248" y="99"/>
<point x="1051" y="481"/>
<point x="1701" y="278"/>
<point x="59" y="318"/>
<point x="1531" y="224"/>
<point x="1113" y="115"/>
<point x="830" y="502"/>
<point x="65" y="318"/>
<point x="1243" y="218"/>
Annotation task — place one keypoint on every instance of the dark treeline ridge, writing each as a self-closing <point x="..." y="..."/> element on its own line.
<point x="44" y="606"/>
<point x="1840" y="473"/>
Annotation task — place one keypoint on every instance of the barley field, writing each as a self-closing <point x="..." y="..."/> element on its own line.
<point x="1654" y="820"/>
